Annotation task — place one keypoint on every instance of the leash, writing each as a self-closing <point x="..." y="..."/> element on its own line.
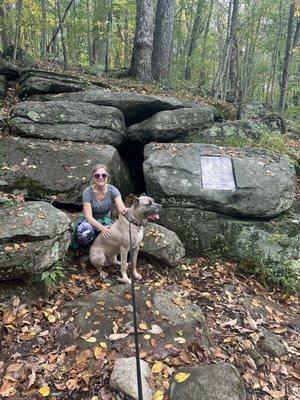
<point x="137" y="350"/>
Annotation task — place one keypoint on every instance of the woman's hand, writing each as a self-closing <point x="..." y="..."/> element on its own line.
<point x="124" y="211"/>
<point x="105" y="231"/>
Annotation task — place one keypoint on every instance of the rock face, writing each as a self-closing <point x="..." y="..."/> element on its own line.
<point x="156" y="306"/>
<point x="237" y="132"/>
<point x="162" y="245"/>
<point x="248" y="241"/>
<point x="167" y="126"/>
<point x="3" y="86"/>
<point x="219" y="381"/>
<point x="124" y="378"/>
<point x="254" y="109"/>
<point x="246" y="182"/>
<point x="67" y="120"/>
<point x="40" y="81"/>
<point x="135" y="107"/>
<point x="271" y="344"/>
<point x="43" y="169"/>
<point x="9" y="70"/>
<point x="33" y="237"/>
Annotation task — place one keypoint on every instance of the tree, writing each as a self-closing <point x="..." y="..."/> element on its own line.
<point x="143" y="41"/>
<point x="162" y="42"/>
<point x="287" y="56"/>
<point x="19" y="7"/>
<point x="194" y="37"/>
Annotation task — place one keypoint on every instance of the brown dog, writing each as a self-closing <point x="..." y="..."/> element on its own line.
<point x="104" y="251"/>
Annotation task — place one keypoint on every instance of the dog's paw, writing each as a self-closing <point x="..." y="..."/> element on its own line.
<point x="124" y="279"/>
<point x="137" y="276"/>
<point x="103" y="274"/>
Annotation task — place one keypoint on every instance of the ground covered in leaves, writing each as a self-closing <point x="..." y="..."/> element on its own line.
<point x="34" y="365"/>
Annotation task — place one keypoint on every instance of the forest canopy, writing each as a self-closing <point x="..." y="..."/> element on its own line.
<point x="235" y="50"/>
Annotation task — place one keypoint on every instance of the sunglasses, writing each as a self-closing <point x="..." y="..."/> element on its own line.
<point x="97" y="176"/>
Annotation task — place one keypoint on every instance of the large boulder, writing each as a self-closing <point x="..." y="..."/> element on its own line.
<point x="47" y="170"/>
<point x="68" y="120"/>
<point x="237" y="132"/>
<point x="245" y="182"/>
<point x="254" y="109"/>
<point x="3" y="86"/>
<point x="251" y="242"/>
<point x="9" y="70"/>
<point x="41" y="81"/>
<point x="162" y="245"/>
<point x="167" y="126"/>
<point x="135" y="107"/>
<point x="33" y="237"/>
<point x="164" y="313"/>
<point x="219" y="381"/>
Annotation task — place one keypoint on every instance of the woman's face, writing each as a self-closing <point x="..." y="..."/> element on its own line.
<point x="100" y="177"/>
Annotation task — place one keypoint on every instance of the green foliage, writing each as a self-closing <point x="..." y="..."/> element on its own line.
<point x="283" y="275"/>
<point x="53" y="276"/>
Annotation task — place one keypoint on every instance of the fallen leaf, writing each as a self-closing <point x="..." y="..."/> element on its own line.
<point x="180" y="340"/>
<point x="155" y="329"/>
<point x="181" y="377"/>
<point x="103" y="345"/>
<point x="117" y="336"/>
<point x="32" y="378"/>
<point x="157" y="367"/>
<point x="143" y="326"/>
<point x="158" y="395"/>
<point x="44" y="391"/>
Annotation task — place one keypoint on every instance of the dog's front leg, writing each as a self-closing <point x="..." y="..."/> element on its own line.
<point x="125" y="278"/>
<point x="134" y="262"/>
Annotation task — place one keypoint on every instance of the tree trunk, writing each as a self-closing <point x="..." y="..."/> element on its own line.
<point x="107" y="41"/>
<point x="56" y="30"/>
<point x="126" y="38"/>
<point x="194" y="38"/>
<point x="89" y="41"/>
<point x="162" y="41"/>
<point x="63" y="43"/>
<point x="143" y="42"/>
<point x="44" y="29"/>
<point x="296" y="42"/>
<point x="18" y="26"/>
<point x="287" y="56"/>
<point x="4" y="34"/>
<point x="202" y="73"/>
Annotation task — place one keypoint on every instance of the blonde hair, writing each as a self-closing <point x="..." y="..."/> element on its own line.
<point x="95" y="168"/>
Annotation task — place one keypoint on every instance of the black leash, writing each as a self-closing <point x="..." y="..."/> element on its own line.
<point x="137" y="350"/>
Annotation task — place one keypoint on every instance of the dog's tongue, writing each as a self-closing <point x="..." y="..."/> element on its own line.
<point x="153" y="217"/>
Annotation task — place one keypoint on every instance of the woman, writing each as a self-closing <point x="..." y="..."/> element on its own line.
<point x="98" y="201"/>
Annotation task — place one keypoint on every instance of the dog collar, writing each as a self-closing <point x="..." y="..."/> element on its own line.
<point x="134" y="221"/>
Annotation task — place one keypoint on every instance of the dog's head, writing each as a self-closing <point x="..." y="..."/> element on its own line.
<point x="144" y="207"/>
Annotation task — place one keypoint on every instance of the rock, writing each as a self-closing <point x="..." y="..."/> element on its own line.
<point x="9" y="70"/>
<point x="248" y="241"/>
<point x="47" y="170"/>
<point x="167" y="126"/>
<point x="3" y="86"/>
<point x="253" y="183"/>
<point x="254" y="109"/>
<point x="67" y="120"/>
<point x="135" y="107"/>
<point x="237" y="132"/>
<point x="219" y="381"/>
<point x="257" y="358"/>
<point x="271" y="344"/>
<point x="33" y="237"/>
<point x="155" y="306"/>
<point x="124" y="378"/>
<point x="162" y="245"/>
<point x="41" y="81"/>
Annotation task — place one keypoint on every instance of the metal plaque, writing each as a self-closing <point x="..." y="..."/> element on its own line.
<point x="217" y="173"/>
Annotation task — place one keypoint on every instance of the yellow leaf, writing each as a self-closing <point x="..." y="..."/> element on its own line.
<point x="92" y="339"/>
<point x="147" y="337"/>
<point x="143" y="326"/>
<point x="51" y="318"/>
<point x="157" y="367"/>
<point x="181" y="377"/>
<point x="158" y="395"/>
<point x="179" y="340"/>
<point x="95" y="398"/>
<point x="103" y="345"/>
<point x="44" y="391"/>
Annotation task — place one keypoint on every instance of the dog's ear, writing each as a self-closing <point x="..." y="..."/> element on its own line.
<point x="136" y="201"/>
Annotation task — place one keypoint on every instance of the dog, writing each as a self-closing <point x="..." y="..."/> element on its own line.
<point x="104" y="251"/>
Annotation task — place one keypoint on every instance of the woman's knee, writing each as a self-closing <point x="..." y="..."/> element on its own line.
<point x="85" y="233"/>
